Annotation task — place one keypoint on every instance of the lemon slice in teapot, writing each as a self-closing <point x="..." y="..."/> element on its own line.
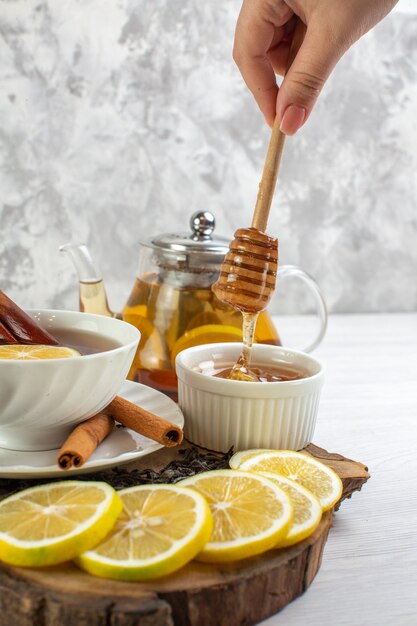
<point x="210" y="333"/>
<point x="203" y="319"/>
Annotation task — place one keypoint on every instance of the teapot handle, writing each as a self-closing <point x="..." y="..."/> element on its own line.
<point x="287" y="271"/>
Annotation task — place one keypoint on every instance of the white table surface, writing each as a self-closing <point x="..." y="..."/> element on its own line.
<point x="368" y="412"/>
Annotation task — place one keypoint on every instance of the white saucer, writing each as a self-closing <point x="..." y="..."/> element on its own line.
<point x="121" y="446"/>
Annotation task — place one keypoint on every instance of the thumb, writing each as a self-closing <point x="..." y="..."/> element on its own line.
<point x="316" y="58"/>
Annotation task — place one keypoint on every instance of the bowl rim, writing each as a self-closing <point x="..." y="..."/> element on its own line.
<point x="133" y="343"/>
<point x="218" y="384"/>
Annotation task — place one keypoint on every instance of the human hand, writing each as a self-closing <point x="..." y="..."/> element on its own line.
<point x="262" y="42"/>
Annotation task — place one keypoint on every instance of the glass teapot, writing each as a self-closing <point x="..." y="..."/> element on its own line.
<point x="172" y="303"/>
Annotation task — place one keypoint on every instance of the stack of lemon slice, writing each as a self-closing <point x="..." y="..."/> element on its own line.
<point x="318" y="478"/>
<point x="269" y="499"/>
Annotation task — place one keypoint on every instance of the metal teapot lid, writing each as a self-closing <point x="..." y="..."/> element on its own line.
<point x="198" y="247"/>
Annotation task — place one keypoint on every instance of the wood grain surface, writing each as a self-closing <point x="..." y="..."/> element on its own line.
<point x="247" y="591"/>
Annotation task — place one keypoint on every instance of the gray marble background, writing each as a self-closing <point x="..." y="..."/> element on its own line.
<point x="119" y="118"/>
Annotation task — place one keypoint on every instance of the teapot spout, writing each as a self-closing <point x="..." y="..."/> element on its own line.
<point x="93" y="297"/>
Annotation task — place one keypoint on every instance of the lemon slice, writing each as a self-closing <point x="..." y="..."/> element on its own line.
<point x="307" y="509"/>
<point x="251" y="514"/>
<point x="210" y="333"/>
<point x="318" y="478"/>
<point x="205" y="318"/>
<point x="52" y="523"/>
<point x="21" y="352"/>
<point x="160" y="529"/>
<point x="236" y="460"/>
<point x="150" y="353"/>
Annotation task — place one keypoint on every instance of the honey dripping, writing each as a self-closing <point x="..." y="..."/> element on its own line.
<point x="241" y="369"/>
<point x="246" y="282"/>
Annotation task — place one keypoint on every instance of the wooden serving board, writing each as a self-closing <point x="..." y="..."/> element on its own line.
<point x="200" y="594"/>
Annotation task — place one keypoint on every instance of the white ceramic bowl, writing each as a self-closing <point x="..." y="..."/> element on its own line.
<point x="222" y="413"/>
<point x="41" y="401"/>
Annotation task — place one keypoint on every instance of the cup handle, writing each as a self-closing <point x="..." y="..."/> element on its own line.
<point x="287" y="271"/>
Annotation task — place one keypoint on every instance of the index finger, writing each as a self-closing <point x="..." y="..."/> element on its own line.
<point x="260" y="26"/>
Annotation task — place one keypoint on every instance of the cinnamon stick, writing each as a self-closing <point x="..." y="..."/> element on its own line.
<point x="21" y="326"/>
<point x="83" y="440"/>
<point x="145" y="423"/>
<point x="6" y="336"/>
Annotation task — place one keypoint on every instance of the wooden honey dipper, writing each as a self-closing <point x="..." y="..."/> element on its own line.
<point x="248" y="273"/>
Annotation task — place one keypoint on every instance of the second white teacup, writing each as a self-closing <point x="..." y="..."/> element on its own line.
<point x="220" y="413"/>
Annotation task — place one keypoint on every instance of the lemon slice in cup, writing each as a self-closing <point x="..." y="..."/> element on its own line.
<point x="160" y="529"/>
<point x="317" y="477"/>
<point x="52" y="523"/>
<point x="23" y="352"/>
<point x="251" y="514"/>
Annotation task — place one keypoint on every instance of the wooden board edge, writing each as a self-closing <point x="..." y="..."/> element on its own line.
<point x="353" y="474"/>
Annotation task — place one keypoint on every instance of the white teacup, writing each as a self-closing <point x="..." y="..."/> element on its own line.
<point x="221" y="413"/>
<point x="42" y="401"/>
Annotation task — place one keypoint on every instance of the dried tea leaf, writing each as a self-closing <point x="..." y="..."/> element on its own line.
<point x="189" y="462"/>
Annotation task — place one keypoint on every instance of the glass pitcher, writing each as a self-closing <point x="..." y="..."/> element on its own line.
<point x="174" y="308"/>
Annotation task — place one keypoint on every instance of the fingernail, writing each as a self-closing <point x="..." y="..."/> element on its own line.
<point x="292" y="119"/>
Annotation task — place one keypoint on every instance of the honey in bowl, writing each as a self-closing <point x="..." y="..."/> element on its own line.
<point x="259" y="372"/>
